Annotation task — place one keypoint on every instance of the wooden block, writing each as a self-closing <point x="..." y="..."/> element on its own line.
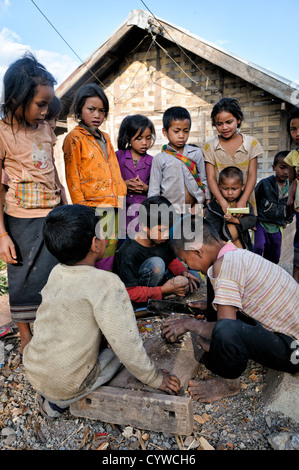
<point x="127" y="401"/>
<point x="180" y="359"/>
<point x="149" y="411"/>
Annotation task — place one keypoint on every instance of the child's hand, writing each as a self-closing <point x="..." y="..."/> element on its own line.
<point x="232" y="219"/>
<point x="170" y="384"/>
<point x="7" y="250"/>
<point x="173" y="330"/>
<point x="135" y="185"/>
<point x="196" y="209"/>
<point x="174" y="287"/>
<point x="131" y="185"/>
<point x="193" y="281"/>
<point x="141" y="186"/>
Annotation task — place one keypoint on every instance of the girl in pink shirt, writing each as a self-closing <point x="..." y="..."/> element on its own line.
<point x="26" y="153"/>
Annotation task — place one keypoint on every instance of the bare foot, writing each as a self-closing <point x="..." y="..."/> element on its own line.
<point x="208" y="391"/>
<point x="204" y="343"/>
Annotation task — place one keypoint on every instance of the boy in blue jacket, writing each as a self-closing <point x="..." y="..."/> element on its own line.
<point x="271" y="198"/>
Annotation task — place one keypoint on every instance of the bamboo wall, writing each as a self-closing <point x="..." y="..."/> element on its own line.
<point x="149" y="81"/>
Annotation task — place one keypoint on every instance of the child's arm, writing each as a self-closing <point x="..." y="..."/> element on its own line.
<point x="201" y="171"/>
<point x="154" y="187"/>
<point x="213" y="185"/>
<point x="7" y="248"/>
<point x="72" y="158"/>
<point x="244" y="221"/>
<point x="250" y="184"/>
<point x="117" y="322"/>
<point x="292" y="191"/>
<point x="143" y="293"/>
<point x="63" y="198"/>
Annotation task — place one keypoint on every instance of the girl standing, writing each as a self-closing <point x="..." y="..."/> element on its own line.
<point x="136" y="136"/>
<point x="292" y="160"/>
<point x="26" y="153"/>
<point x="92" y="171"/>
<point x="231" y="148"/>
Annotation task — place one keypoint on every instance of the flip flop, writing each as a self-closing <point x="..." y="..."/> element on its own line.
<point x="5" y="331"/>
<point x="43" y="412"/>
<point x="41" y="402"/>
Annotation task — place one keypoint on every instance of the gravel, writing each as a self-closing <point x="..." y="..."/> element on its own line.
<point x="235" y="423"/>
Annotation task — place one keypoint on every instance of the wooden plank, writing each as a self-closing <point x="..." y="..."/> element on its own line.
<point x="143" y="410"/>
<point x="178" y="358"/>
<point x="127" y="401"/>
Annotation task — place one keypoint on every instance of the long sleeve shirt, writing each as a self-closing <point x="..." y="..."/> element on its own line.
<point x="80" y="305"/>
<point x="169" y="178"/>
<point x="129" y="259"/>
<point x="93" y="177"/>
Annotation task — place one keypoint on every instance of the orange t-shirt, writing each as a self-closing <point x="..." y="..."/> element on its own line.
<point x="27" y="158"/>
<point x="92" y="178"/>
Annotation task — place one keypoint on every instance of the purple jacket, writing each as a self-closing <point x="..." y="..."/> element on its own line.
<point x="128" y="171"/>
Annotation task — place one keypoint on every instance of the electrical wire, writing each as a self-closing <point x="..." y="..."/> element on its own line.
<point x="154" y="41"/>
<point x="181" y="49"/>
<point x="64" y="40"/>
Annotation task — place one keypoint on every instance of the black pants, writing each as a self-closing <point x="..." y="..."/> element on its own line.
<point x="234" y="342"/>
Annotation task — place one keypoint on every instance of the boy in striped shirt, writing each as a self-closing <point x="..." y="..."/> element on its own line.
<point x="257" y="312"/>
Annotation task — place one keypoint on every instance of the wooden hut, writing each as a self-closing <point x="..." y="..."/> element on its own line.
<point x="148" y="65"/>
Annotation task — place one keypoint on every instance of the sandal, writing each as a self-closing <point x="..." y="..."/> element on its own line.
<point x="41" y="402"/>
<point x="54" y="409"/>
<point x="5" y="331"/>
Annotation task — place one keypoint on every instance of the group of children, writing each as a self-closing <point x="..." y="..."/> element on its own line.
<point x="67" y="271"/>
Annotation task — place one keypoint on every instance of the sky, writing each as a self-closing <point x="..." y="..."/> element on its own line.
<point x="260" y="31"/>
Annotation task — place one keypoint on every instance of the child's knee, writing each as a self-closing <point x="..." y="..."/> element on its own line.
<point x="152" y="271"/>
<point x="227" y="357"/>
<point x="157" y="265"/>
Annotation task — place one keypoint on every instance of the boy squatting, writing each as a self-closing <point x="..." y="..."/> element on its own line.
<point x="257" y="314"/>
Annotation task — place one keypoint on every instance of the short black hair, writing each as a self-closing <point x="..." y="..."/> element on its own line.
<point x="156" y="210"/>
<point x="282" y="154"/>
<point x="69" y="231"/>
<point x="88" y="91"/>
<point x="209" y="235"/>
<point x="231" y="172"/>
<point x="176" y="113"/>
<point x="130" y="126"/>
<point x="230" y="105"/>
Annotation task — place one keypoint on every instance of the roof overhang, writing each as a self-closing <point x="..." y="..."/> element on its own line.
<point x="139" y="24"/>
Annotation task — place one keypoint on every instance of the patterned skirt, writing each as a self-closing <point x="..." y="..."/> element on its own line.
<point x="27" y="278"/>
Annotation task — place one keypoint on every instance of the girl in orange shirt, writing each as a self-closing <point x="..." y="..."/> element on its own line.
<point x="92" y="171"/>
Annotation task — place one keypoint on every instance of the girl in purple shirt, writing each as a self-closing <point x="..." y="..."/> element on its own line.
<point x="136" y="135"/>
